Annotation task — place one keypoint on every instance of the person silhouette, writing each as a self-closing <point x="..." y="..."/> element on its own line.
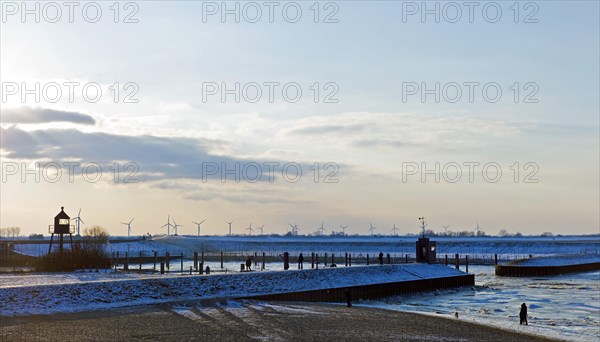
<point x="300" y="261"/>
<point x="348" y="298"/>
<point x="523" y="314"/>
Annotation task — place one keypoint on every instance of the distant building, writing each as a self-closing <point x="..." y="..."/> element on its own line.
<point x="426" y="250"/>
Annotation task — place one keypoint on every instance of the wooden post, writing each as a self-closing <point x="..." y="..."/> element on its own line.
<point x="325" y="261"/>
<point x="201" y="268"/>
<point x="367" y="259"/>
<point x="195" y="261"/>
<point x="350" y="260"/>
<point x="286" y="261"/>
<point x="140" y="261"/>
<point x="495" y="259"/>
<point x="406" y="258"/>
<point x="167" y="261"/>
<point x="467" y="263"/>
<point x="191" y="270"/>
<point x="312" y="260"/>
<point x="155" y="257"/>
<point x="332" y="259"/>
<point x="202" y="257"/>
<point x="50" y="246"/>
<point x="162" y="267"/>
<point x="126" y="266"/>
<point x="181" y="262"/>
<point x="446" y="259"/>
<point x="317" y="261"/>
<point x="263" y="261"/>
<point x="389" y="259"/>
<point x="255" y="260"/>
<point x="456" y="261"/>
<point x="221" y="259"/>
<point x="346" y="259"/>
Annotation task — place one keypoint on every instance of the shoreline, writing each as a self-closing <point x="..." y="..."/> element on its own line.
<point x="246" y="320"/>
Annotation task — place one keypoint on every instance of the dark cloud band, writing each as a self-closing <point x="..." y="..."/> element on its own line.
<point x="28" y="115"/>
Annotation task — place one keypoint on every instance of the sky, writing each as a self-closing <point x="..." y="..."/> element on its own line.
<point x="342" y="113"/>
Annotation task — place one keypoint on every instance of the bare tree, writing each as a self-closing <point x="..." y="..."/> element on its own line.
<point x="95" y="238"/>
<point x="93" y="246"/>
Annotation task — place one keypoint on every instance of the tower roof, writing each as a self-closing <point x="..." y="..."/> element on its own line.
<point x="62" y="214"/>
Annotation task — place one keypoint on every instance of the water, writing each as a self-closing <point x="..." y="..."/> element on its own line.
<point x="566" y="306"/>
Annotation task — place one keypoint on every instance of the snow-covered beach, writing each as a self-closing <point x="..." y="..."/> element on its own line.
<point x="237" y="321"/>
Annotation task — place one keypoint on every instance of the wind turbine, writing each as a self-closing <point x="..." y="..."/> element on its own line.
<point x="294" y="229"/>
<point x="175" y="226"/>
<point x="343" y="229"/>
<point x="445" y="229"/>
<point x="249" y="229"/>
<point x="78" y="218"/>
<point x="198" y="224"/>
<point x="128" y="224"/>
<point x="394" y="230"/>
<point x="261" y="229"/>
<point x="372" y="228"/>
<point x="168" y="225"/>
<point x="229" y="223"/>
<point x="321" y="229"/>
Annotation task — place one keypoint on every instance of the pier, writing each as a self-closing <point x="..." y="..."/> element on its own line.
<point x="550" y="266"/>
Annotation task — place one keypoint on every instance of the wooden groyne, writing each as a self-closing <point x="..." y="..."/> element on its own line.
<point x="550" y="266"/>
<point x="537" y="271"/>
<point x="372" y="291"/>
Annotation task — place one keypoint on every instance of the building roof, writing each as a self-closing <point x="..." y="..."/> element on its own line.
<point x="62" y="214"/>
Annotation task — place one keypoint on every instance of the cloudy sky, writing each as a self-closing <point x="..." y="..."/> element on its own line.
<point x="343" y="113"/>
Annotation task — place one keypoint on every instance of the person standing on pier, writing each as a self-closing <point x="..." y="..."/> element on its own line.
<point x="523" y="314"/>
<point x="380" y="258"/>
<point x="249" y="263"/>
<point x="300" y="261"/>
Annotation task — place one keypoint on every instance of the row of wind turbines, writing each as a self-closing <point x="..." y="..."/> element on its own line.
<point x="172" y="229"/>
<point x="321" y="229"/>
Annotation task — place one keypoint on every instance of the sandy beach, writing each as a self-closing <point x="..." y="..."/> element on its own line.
<point x="248" y="321"/>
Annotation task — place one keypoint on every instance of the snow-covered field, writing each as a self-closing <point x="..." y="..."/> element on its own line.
<point x="101" y="292"/>
<point x="507" y="247"/>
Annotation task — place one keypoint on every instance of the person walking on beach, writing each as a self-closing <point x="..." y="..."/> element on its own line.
<point x="523" y="314"/>
<point x="249" y="263"/>
<point x="380" y="258"/>
<point x="300" y="261"/>
<point x="348" y="298"/>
